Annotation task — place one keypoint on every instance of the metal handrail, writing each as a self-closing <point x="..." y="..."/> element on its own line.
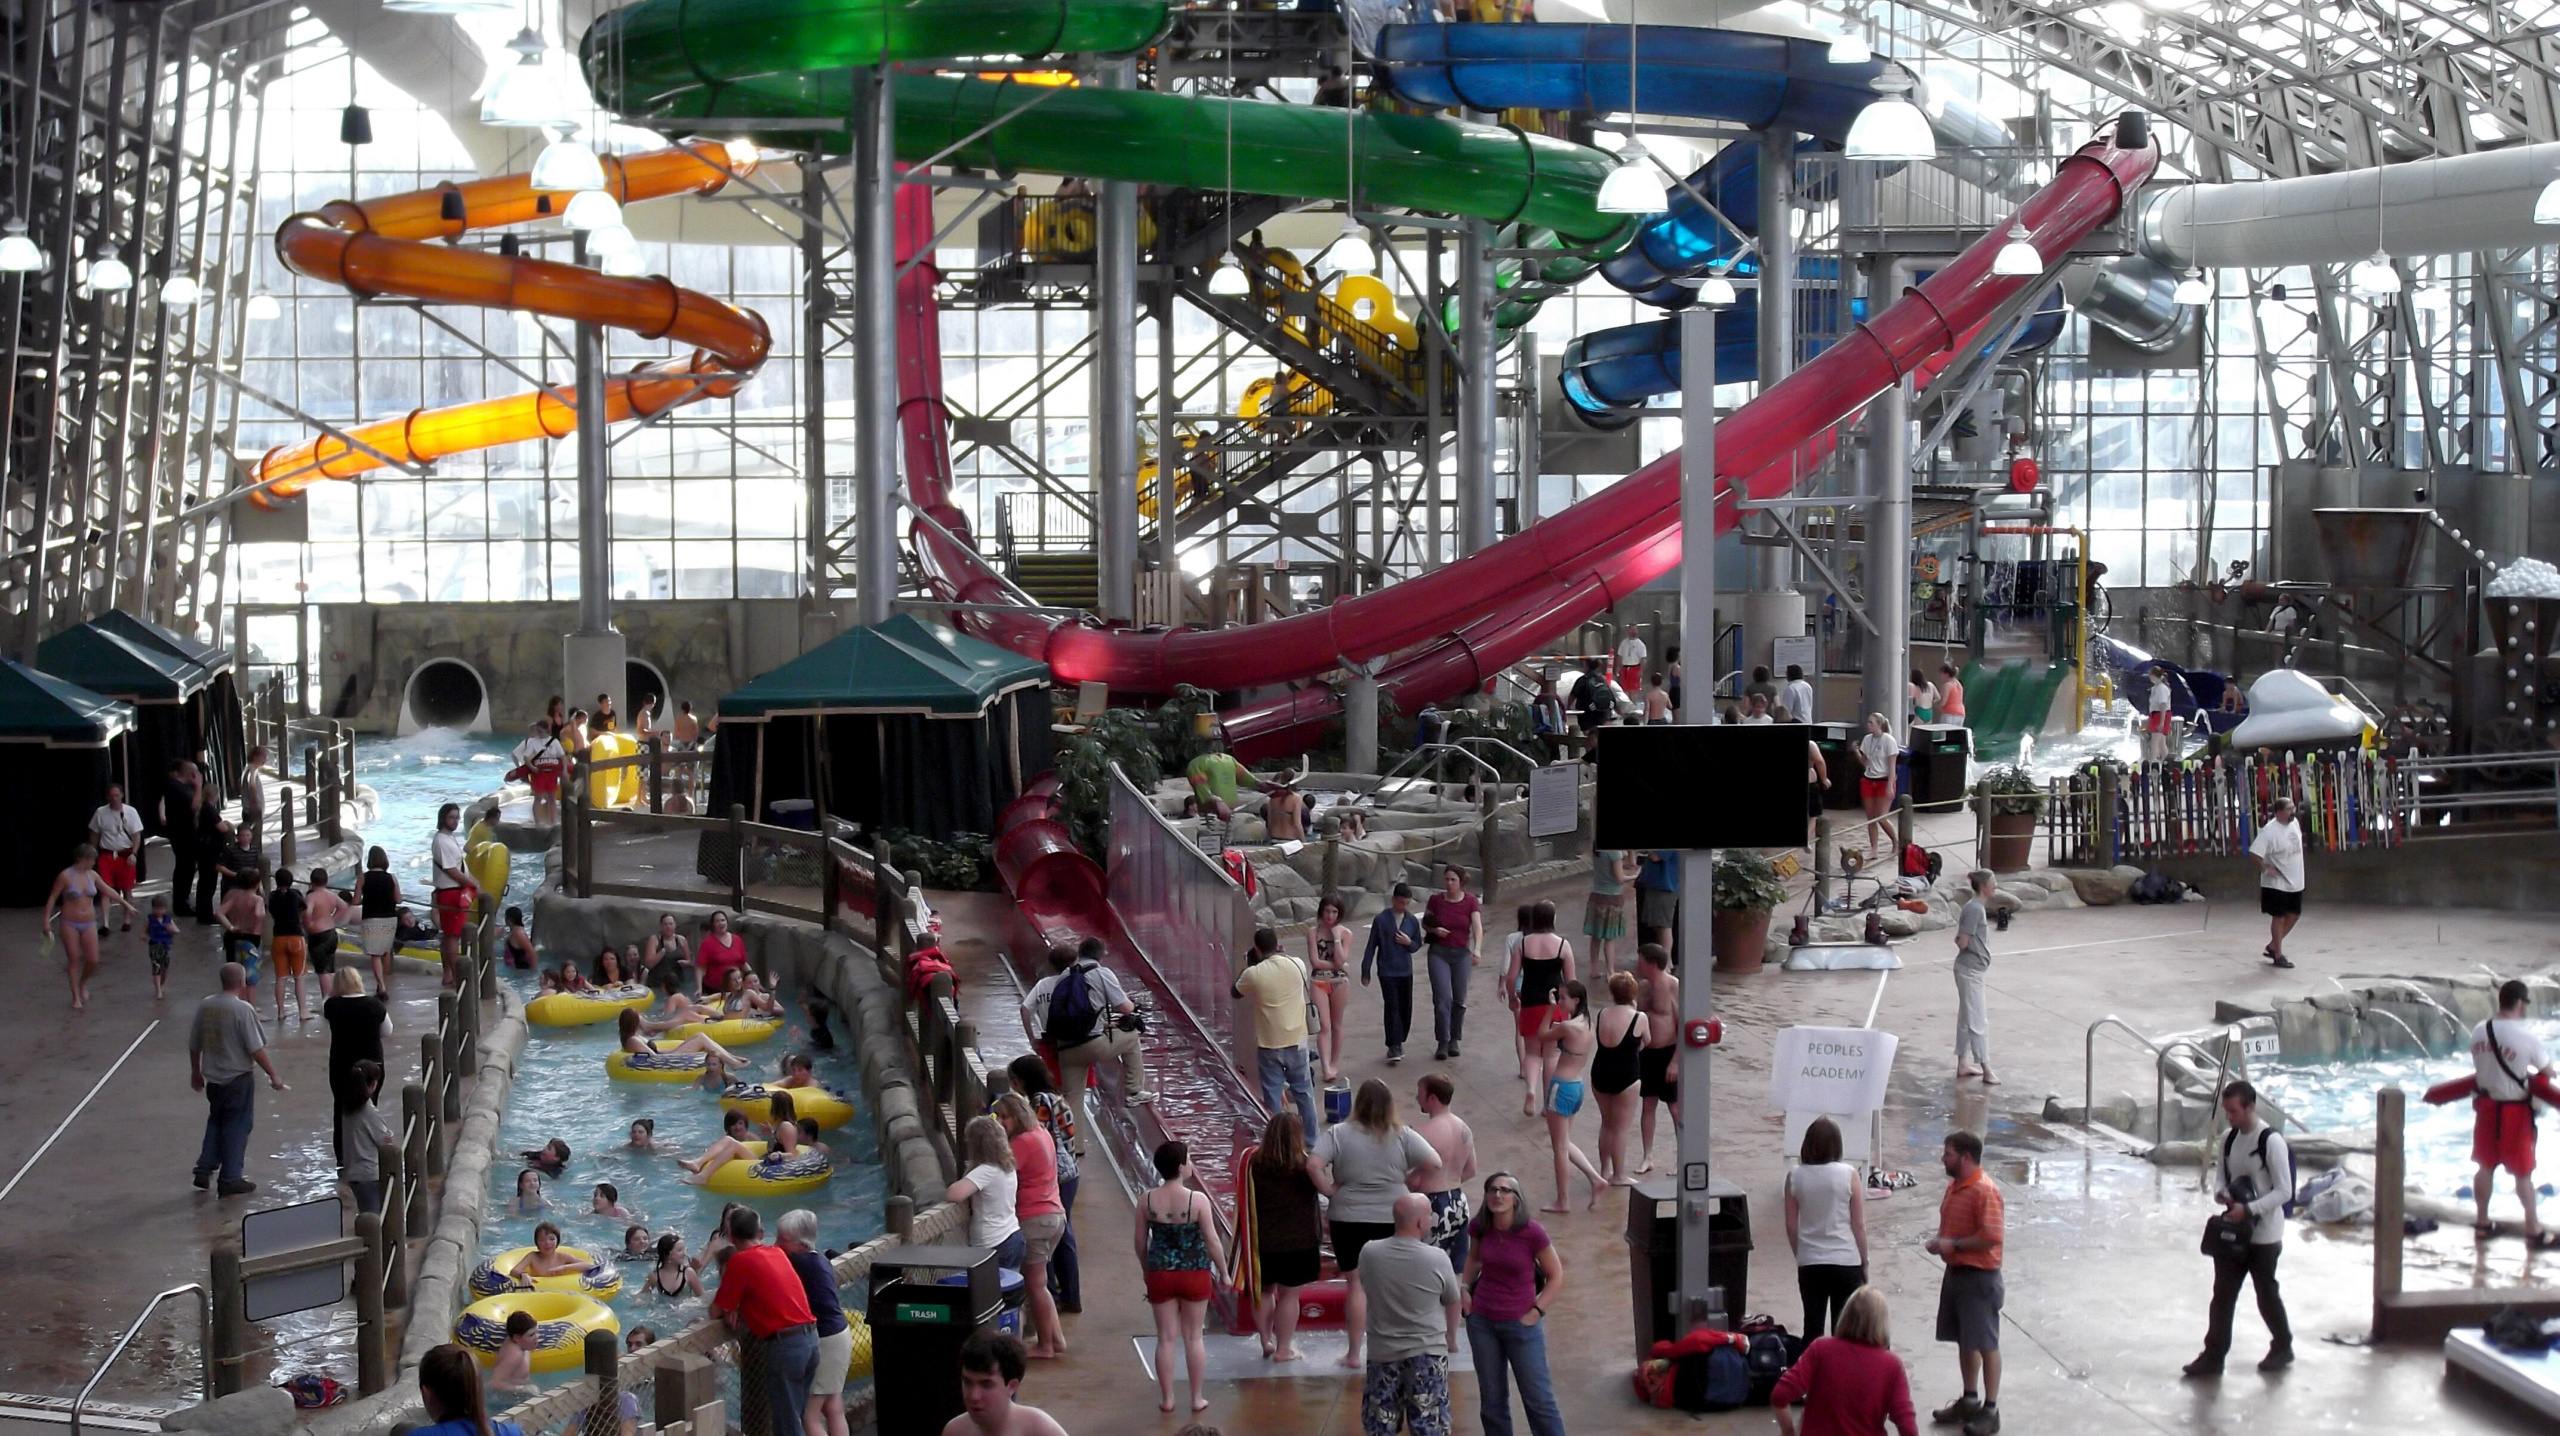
<point x="2159" y="1074"/>
<point x="204" y="1306"/>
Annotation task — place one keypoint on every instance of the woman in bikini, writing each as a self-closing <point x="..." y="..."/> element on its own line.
<point x="732" y="1147"/>
<point x="73" y="904"/>
<point x="722" y="1059"/>
<point x="1329" y="959"/>
<point x="1622" y="1030"/>
<point x="1541" y="963"/>
<point x="1571" y="1042"/>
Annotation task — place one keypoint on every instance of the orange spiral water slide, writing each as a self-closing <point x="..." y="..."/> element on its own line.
<point x="381" y="247"/>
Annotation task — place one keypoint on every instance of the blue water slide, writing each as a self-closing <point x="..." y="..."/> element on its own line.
<point x="1756" y="80"/>
<point x="1608" y="375"/>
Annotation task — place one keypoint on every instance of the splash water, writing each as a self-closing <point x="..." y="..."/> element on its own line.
<point x="2339" y="1097"/>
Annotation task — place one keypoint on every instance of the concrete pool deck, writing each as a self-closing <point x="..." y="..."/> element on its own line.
<point x="2106" y="1292"/>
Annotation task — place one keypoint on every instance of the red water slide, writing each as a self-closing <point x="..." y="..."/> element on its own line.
<point x="1459" y="625"/>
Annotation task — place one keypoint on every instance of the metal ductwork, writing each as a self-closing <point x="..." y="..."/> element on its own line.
<point x="2448" y="205"/>
<point x="2134" y="295"/>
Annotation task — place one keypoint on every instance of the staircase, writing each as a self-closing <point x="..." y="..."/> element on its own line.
<point x="1060" y="579"/>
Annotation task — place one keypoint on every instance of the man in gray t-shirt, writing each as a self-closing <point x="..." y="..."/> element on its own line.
<point x="1973" y="968"/>
<point x="1413" y="1326"/>
<point x="225" y="1049"/>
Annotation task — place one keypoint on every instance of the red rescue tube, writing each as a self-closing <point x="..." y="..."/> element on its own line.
<point x="2455" y="1089"/>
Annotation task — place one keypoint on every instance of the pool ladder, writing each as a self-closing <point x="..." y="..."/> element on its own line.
<point x="204" y="1321"/>
<point x="2224" y="1071"/>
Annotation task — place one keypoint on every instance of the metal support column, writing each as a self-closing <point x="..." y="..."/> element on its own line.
<point x="875" y="373"/>
<point x="1360" y="719"/>
<point x="1888" y="548"/>
<point x="591" y="658"/>
<point x="1697" y="616"/>
<point x="1475" y="389"/>
<point x="817" y="617"/>
<point x="1168" y="449"/>
<point x="1115" y="382"/>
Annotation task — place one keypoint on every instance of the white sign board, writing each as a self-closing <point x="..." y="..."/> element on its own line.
<point x="1555" y="800"/>
<point x="2261" y="1044"/>
<point x="285" y="1229"/>
<point x="1830" y="1069"/>
<point x="1803" y="650"/>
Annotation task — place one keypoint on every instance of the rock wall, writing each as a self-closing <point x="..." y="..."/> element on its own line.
<point x="703" y="647"/>
<point x="2391" y="1017"/>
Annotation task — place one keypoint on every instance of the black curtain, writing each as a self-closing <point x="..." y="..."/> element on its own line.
<point x="1033" y="742"/>
<point x="223" y="732"/>
<point x="53" y="791"/>
<point x="931" y="776"/>
<point x="163" y="733"/>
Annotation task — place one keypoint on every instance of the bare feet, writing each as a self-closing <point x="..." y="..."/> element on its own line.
<point x="1594" y="1204"/>
<point x="1352" y="1361"/>
<point x="1988" y="1080"/>
<point x="1292" y="1354"/>
<point x="1166" y="1405"/>
<point x="1559" y="1208"/>
<point x="1622" y="1181"/>
<point x="1964" y="1070"/>
<point x="1199" y="1404"/>
<point x="1646" y="1169"/>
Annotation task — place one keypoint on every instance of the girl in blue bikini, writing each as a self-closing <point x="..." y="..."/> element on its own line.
<point x="1568" y="1045"/>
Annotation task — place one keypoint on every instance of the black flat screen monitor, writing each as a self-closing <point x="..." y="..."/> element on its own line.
<point x="1719" y="785"/>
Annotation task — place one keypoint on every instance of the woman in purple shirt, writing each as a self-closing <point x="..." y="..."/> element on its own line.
<point x="1513" y="1275"/>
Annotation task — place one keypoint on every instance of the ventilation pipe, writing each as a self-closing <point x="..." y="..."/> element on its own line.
<point x="2448" y="205"/>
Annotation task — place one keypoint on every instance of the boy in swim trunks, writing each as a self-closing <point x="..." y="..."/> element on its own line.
<point x="161" y="932"/>
<point x="1659" y="1077"/>
<point x="242" y="916"/>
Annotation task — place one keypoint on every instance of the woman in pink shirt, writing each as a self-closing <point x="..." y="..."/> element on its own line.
<point x="718" y="954"/>
<point x="1850" y="1383"/>
<point x="1036" y="1204"/>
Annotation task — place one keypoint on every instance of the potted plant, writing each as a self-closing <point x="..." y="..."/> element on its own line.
<point x="1747" y="889"/>
<point x="2010" y="798"/>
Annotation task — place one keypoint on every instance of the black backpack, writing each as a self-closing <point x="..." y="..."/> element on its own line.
<point x="1074" y="1016"/>
<point x="1716" y="1379"/>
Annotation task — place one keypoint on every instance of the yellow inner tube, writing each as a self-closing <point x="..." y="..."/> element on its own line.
<point x="487" y="863"/>
<point x="813" y="1106"/>
<point x="562" y="1320"/>
<point x="660" y="1065"/>
<point x="732" y="1031"/>
<point x="859" y="1369"/>
<point x="584" y="1009"/>
<point x="596" y="1278"/>
<point x="756" y="1177"/>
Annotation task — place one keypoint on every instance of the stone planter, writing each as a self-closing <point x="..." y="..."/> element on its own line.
<point x="1741" y="938"/>
<point x="2011" y="844"/>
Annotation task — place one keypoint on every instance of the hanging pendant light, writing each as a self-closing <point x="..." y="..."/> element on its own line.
<point x="627" y="263"/>
<point x="110" y="275"/>
<point x="2019" y="258"/>
<point x="263" y="307"/>
<point x="1717" y="291"/>
<point x="2546" y="206"/>
<point x="1891" y="128"/>
<point x="2374" y="278"/>
<point x="523" y="94"/>
<point x="181" y="291"/>
<point x="591" y="209"/>
<point x="1850" y="50"/>
<point x="2192" y="289"/>
<point x="18" y="254"/>
<point x="565" y="164"/>
<point x="1632" y="188"/>
<point x="612" y="238"/>
<point x="449" y="206"/>
<point x="1228" y="280"/>
<point x="355" y="125"/>
<point x="1351" y="252"/>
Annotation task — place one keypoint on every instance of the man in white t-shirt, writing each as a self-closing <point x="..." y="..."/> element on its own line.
<point x="2278" y="850"/>
<point x="115" y="830"/>
<point x="1795" y="701"/>
<point x="2504" y="1056"/>
<point x="1631" y="651"/>
<point x="454" y="890"/>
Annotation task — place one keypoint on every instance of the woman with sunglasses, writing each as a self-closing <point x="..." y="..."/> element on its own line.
<point x="1513" y="1275"/>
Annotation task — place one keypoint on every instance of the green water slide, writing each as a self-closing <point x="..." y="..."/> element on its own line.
<point x="671" y="64"/>
<point x="2008" y="703"/>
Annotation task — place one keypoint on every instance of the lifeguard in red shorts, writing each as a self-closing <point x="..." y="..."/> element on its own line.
<point x="455" y="892"/>
<point x="540" y="759"/>
<point x="2505" y="1059"/>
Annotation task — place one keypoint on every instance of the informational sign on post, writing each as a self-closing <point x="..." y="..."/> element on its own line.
<point x="1840" y="1070"/>
<point x="1804" y="651"/>
<point x="1555" y="800"/>
<point x="281" y="1230"/>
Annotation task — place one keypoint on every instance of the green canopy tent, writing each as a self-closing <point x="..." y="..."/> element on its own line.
<point x="907" y="724"/>
<point x="220" y="727"/>
<point x="60" y="746"/>
<point x="173" y="693"/>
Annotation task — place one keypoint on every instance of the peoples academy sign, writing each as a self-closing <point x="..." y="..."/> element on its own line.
<point x="1837" y="1070"/>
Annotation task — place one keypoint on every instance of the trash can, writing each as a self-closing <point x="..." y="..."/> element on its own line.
<point x="918" y="1324"/>
<point x="1939" y="752"/>
<point x="801" y="813"/>
<point x="1838" y="743"/>
<point x="1653" y="1256"/>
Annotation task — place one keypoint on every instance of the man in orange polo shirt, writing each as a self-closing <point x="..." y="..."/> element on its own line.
<point x="1969" y="1231"/>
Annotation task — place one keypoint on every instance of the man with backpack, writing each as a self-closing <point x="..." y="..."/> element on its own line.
<point x="1083" y="1017"/>
<point x="2254" y="1184"/>
<point x="2504" y="1056"/>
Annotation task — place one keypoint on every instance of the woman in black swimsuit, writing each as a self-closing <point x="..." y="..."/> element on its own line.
<point x="673" y="1277"/>
<point x="1541" y="964"/>
<point x="1622" y="1029"/>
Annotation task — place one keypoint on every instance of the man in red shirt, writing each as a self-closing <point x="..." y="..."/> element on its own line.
<point x="1970" y="1225"/>
<point x="761" y="1296"/>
